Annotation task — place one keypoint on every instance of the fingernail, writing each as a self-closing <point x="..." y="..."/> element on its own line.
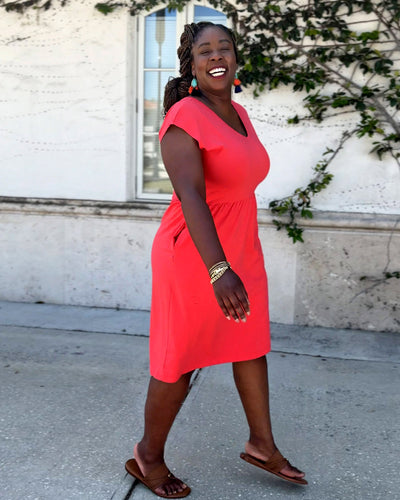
<point x="248" y="314"/>
<point x="237" y="321"/>
<point x="228" y="317"/>
<point x="243" y="320"/>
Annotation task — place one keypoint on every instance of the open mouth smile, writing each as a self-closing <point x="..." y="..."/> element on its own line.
<point x="216" y="72"/>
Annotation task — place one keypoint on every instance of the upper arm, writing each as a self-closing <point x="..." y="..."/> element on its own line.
<point x="182" y="159"/>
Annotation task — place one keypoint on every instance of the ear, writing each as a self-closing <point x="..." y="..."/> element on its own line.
<point x="193" y="72"/>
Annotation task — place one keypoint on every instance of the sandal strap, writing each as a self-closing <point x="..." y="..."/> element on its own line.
<point x="276" y="462"/>
<point x="158" y="477"/>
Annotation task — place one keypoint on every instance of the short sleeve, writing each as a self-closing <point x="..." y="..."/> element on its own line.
<point x="186" y="115"/>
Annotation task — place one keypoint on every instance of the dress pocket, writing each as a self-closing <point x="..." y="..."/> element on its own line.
<point x="178" y="234"/>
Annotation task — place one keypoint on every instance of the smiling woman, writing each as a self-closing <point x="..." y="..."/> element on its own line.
<point x="214" y="60"/>
<point x="207" y="260"/>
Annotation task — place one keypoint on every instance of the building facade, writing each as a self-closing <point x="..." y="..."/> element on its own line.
<point x="83" y="188"/>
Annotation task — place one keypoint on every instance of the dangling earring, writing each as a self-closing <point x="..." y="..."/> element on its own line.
<point x="236" y="83"/>
<point x="193" y="86"/>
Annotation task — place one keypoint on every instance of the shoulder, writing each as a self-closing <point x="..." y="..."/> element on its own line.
<point x="188" y="115"/>
<point x="185" y="104"/>
<point x="182" y="112"/>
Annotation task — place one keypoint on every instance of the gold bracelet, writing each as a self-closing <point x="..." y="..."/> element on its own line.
<point x="221" y="264"/>
<point x="218" y="269"/>
<point x="216" y="276"/>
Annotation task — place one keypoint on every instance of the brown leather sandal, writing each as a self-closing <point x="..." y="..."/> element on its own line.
<point x="156" y="478"/>
<point x="274" y="465"/>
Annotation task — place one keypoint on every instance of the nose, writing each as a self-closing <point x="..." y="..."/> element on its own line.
<point x="216" y="56"/>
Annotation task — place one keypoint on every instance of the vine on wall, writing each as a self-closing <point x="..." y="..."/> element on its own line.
<point x="345" y="54"/>
<point x="21" y="5"/>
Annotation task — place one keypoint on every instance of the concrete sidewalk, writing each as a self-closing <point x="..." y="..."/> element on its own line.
<point x="73" y="385"/>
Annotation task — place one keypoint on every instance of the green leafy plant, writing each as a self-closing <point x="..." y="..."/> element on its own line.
<point x="343" y="54"/>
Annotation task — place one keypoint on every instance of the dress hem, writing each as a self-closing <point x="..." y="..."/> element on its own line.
<point x="173" y="379"/>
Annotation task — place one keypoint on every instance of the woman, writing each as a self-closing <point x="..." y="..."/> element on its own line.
<point x="215" y="161"/>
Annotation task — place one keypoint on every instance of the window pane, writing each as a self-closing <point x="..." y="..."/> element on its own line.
<point x="205" y="14"/>
<point x="160" y="39"/>
<point x="159" y="65"/>
<point x="155" y="178"/>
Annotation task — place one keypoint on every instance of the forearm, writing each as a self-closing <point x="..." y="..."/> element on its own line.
<point x="200" y="224"/>
<point x="229" y="290"/>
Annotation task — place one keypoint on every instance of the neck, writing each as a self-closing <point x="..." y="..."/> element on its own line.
<point x="216" y="101"/>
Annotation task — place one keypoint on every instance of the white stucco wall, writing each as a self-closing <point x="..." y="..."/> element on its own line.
<point x="67" y="86"/>
<point x="63" y="103"/>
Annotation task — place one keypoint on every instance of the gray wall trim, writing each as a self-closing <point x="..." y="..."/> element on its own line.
<point x="323" y="220"/>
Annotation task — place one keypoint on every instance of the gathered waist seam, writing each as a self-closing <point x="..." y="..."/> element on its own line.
<point x="216" y="202"/>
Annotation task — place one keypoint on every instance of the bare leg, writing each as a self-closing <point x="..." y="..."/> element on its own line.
<point x="162" y="405"/>
<point x="251" y="378"/>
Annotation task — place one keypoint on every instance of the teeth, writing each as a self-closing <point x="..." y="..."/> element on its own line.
<point x="217" y="71"/>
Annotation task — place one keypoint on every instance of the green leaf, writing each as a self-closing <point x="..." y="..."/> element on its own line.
<point x="294" y="120"/>
<point x="307" y="214"/>
<point x="295" y="233"/>
<point x="368" y="35"/>
<point x="394" y="274"/>
<point x="342" y="101"/>
<point x="104" y="8"/>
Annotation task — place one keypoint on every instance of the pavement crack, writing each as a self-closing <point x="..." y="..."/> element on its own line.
<point x="195" y="379"/>
<point x="131" y="490"/>
<point x="325" y="357"/>
<point x="122" y="492"/>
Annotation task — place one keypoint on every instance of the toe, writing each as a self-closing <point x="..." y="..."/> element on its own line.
<point x="291" y="471"/>
<point x="170" y="488"/>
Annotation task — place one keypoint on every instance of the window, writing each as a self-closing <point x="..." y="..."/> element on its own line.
<point x="158" y="40"/>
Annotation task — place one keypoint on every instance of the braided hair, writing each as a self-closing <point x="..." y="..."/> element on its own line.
<point x="178" y="88"/>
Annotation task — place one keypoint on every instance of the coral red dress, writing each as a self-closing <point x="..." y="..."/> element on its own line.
<point x="188" y="329"/>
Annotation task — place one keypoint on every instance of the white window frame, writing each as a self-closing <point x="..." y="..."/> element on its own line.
<point x="136" y="89"/>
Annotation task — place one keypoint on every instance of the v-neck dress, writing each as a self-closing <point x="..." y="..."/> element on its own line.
<point x="187" y="327"/>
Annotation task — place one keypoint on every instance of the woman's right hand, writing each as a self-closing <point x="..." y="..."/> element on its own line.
<point x="232" y="296"/>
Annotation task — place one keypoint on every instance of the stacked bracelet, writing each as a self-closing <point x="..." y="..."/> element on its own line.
<point x="217" y="270"/>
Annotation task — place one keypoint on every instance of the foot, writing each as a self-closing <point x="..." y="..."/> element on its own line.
<point x="265" y="454"/>
<point x="171" y="486"/>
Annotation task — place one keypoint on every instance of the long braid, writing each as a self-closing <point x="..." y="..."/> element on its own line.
<point x="177" y="88"/>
